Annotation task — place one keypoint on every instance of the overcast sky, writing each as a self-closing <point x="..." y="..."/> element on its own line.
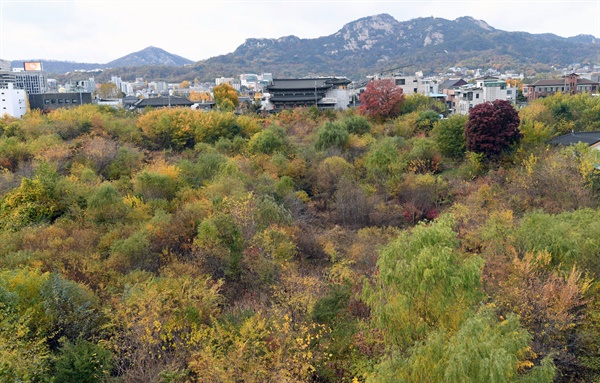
<point x="94" y="31"/>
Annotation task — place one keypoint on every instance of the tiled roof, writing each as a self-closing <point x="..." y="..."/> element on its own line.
<point x="307" y="83"/>
<point x="452" y="83"/>
<point x="562" y="82"/>
<point x="589" y="138"/>
<point x="163" y="101"/>
<point x="293" y="98"/>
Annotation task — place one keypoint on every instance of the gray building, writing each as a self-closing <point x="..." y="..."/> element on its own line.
<point x="51" y="101"/>
<point x="33" y="82"/>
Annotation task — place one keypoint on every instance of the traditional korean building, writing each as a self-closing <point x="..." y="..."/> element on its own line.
<point x="324" y="92"/>
<point x="161" y="102"/>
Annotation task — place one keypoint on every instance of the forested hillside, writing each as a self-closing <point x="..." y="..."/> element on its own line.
<point x="307" y="246"/>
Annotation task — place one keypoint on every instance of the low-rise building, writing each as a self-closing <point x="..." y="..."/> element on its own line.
<point x="161" y="102"/>
<point x="570" y="84"/>
<point x="485" y="89"/>
<point x="51" y="101"/>
<point x="416" y="85"/>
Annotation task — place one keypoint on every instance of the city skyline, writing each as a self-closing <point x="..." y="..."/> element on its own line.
<point x="101" y="31"/>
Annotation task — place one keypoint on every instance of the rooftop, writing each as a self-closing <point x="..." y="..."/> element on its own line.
<point x="573" y="138"/>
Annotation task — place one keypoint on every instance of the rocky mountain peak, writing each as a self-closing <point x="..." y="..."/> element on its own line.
<point x="480" y="23"/>
<point x="366" y="32"/>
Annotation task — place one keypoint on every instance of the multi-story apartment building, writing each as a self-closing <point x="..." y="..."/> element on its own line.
<point x="32" y="81"/>
<point x="571" y="84"/>
<point x="12" y="101"/>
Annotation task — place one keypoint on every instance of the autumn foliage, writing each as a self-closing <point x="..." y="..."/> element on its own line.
<point x="306" y="246"/>
<point x="381" y="99"/>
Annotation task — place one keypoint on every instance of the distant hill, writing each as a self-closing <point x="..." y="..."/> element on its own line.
<point x="369" y="45"/>
<point x="53" y="66"/>
<point x="149" y="56"/>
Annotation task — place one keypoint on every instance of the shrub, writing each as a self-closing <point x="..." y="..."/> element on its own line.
<point x="36" y="200"/>
<point x="449" y="135"/>
<point x="356" y="124"/>
<point x="332" y="135"/>
<point x="158" y="181"/>
<point x="169" y="128"/>
<point x="269" y="141"/>
<point x="82" y="362"/>
<point x="105" y="205"/>
<point x="427" y="119"/>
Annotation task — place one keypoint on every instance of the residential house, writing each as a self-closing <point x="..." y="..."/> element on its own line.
<point x="416" y="85"/>
<point x="592" y="139"/>
<point x="485" y="89"/>
<point x="449" y="88"/>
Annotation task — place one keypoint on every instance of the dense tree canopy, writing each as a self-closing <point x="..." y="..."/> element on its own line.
<point x="306" y="246"/>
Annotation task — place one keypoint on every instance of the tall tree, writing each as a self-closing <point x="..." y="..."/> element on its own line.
<point x="108" y="90"/>
<point x="492" y="128"/>
<point x="382" y="99"/>
<point x="226" y="97"/>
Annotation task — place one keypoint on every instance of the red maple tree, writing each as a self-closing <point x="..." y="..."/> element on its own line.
<point x="381" y="99"/>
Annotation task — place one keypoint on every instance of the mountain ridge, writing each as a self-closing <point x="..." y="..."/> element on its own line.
<point x="374" y="44"/>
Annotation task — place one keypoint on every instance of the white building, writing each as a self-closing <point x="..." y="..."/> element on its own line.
<point x="249" y="80"/>
<point x="416" y="85"/>
<point x="13" y="102"/>
<point x="223" y="80"/>
<point x="485" y="89"/>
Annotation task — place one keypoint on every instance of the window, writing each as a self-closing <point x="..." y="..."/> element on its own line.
<point x="46" y="101"/>
<point x="400" y="81"/>
<point x="509" y="92"/>
<point x="53" y="101"/>
<point x="74" y="101"/>
<point x="60" y="100"/>
<point x="415" y="90"/>
<point x="477" y="95"/>
<point x="67" y="101"/>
